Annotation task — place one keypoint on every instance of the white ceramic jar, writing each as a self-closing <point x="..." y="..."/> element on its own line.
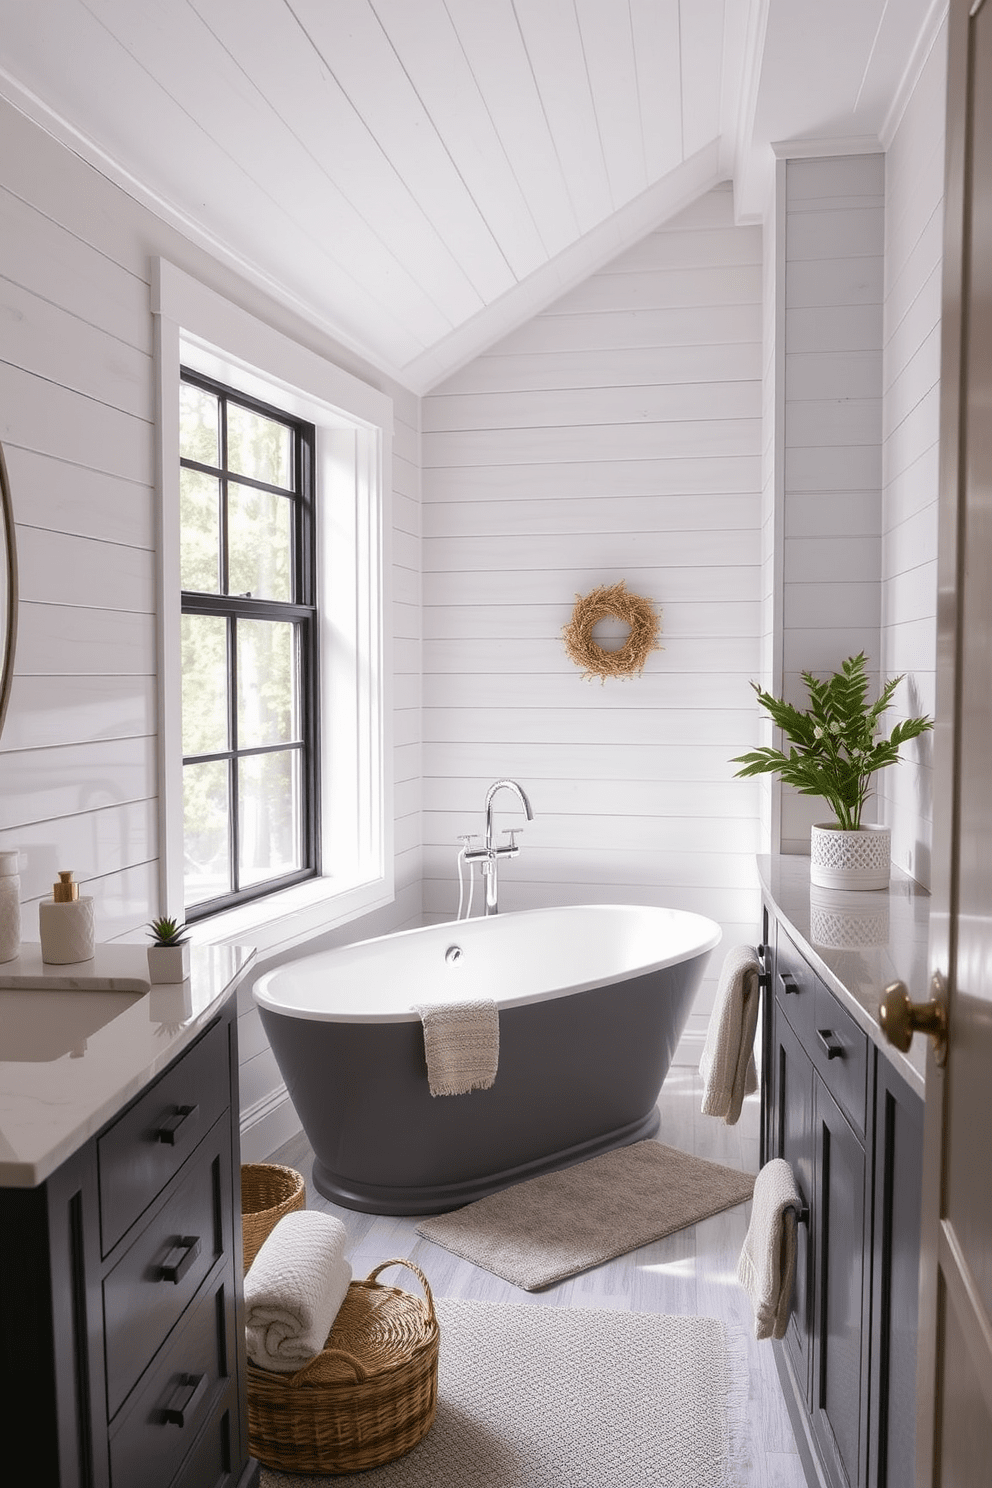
<point x="66" y="924"/>
<point x="10" y="905"/>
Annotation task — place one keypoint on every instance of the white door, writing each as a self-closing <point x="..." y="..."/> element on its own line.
<point x="954" y="1432"/>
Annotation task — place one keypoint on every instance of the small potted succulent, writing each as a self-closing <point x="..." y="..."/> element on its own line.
<point x="168" y="954"/>
<point x="835" y="748"/>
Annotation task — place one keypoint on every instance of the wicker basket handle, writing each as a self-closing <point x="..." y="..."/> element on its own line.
<point x="432" y="1316"/>
<point x="301" y="1375"/>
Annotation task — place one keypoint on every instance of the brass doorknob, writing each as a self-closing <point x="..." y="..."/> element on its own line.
<point x="900" y="1019"/>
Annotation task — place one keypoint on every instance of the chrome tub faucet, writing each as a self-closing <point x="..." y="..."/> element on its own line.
<point x="490" y="854"/>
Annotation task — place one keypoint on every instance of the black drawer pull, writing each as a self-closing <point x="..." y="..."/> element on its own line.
<point x="184" y="1399"/>
<point x="789" y="983"/>
<point x="180" y="1258"/>
<point x="172" y="1126"/>
<point x="833" y="1045"/>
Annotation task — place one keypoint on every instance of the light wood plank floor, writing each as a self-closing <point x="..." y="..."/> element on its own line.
<point x="693" y="1271"/>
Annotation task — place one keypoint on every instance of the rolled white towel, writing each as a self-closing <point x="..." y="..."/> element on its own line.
<point x="294" y="1290"/>
<point x="767" y="1264"/>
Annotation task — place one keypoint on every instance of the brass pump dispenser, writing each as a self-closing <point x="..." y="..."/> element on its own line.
<point x="65" y="891"/>
<point x="65" y="923"/>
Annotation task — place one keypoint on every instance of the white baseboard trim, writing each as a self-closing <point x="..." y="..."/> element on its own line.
<point x="267" y="1124"/>
<point x="690" y="1045"/>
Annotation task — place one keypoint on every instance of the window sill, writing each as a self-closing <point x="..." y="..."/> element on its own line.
<point x="292" y="916"/>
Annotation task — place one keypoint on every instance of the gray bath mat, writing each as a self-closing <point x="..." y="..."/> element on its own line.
<point x="544" y="1397"/>
<point x="540" y="1231"/>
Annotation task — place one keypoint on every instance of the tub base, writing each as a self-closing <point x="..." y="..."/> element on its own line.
<point x="438" y="1198"/>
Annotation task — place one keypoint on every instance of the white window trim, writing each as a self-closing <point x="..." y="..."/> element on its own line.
<point x="198" y="328"/>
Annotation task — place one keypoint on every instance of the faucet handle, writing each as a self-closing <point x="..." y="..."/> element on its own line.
<point x="467" y="838"/>
<point x="511" y="832"/>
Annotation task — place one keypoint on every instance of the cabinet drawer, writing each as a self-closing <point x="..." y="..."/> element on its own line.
<point x="839" y="1050"/>
<point x="210" y="1464"/>
<point x="148" y="1289"/>
<point x="177" y="1399"/>
<point x="151" y="1141"/>
<point x="795" y="987"/>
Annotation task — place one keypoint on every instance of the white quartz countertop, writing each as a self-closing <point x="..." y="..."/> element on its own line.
<point x="858" y="942"/>
<point x="78" y="1042"/>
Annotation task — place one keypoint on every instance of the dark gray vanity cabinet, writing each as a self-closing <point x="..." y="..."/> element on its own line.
<point x="789" y="1071"/>
<point x="897" y="1196"/>
<point x="120" y="1289"/>
<point x="838" y="1398"/>
<point x="851" y="1130"/>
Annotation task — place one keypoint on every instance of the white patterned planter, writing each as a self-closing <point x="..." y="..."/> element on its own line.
<point x="839" y="859"/>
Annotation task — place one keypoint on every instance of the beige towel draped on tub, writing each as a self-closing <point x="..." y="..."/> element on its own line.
<point x="461" y="1043"/>
<point x="727" y="1062"/>
<point x="767" y="1266"/>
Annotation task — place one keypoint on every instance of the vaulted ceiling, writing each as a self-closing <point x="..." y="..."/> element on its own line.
<point x="419" y="176"/>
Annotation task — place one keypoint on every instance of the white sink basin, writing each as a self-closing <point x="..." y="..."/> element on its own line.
<point x="38" y="1026"/>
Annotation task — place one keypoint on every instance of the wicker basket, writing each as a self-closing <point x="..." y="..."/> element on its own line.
<point x="369" y="1397"/>
<point x="268" y="1191"/>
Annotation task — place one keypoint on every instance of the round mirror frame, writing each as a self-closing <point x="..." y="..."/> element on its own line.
<point x="10" y="635"/>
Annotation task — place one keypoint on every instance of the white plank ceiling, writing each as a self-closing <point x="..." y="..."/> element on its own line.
<point x="418" y="177"/>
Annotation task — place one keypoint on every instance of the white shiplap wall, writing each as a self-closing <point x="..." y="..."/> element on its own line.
<point x="914" y="187"/>
<point x="615" y="436"/>
<point x="78" y="756"/>
<point x="834" y="244"/>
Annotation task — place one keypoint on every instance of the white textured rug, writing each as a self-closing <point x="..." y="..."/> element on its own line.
<point x="544" y="1397"/>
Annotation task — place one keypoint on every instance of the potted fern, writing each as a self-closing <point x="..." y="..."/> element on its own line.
<point x="168" y="954"/>
<point x="835" y="747"/>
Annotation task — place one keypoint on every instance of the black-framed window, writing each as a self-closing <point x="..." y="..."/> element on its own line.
<point x="249" y="647"/>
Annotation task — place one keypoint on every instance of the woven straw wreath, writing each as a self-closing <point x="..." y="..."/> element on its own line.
<point x="635" y="611"/>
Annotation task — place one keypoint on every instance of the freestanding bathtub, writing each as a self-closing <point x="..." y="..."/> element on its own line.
<point x="592" y="1002"/>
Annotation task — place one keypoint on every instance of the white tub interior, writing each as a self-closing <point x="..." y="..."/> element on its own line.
<point x="515" y="958"/>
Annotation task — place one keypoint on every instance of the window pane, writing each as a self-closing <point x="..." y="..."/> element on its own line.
<point x="259" y="447"/>
<point x="269" y="816"/>
<point x="259" y="535"/>
<point x="268" y="704"/>
<point x="206" y="831"/>
<point x="205" y="711"/>
<point x="198" y="438"/>
<point x="199" y="517"/>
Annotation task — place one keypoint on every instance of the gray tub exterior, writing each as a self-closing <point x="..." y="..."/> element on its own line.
<point x="578" y="1074"/>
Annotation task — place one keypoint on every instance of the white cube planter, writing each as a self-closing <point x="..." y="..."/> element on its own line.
<point x="841" y="859"/>
<point x="168" y="963"/>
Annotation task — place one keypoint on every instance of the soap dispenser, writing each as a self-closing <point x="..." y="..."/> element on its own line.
<point x="65" y="922"/>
